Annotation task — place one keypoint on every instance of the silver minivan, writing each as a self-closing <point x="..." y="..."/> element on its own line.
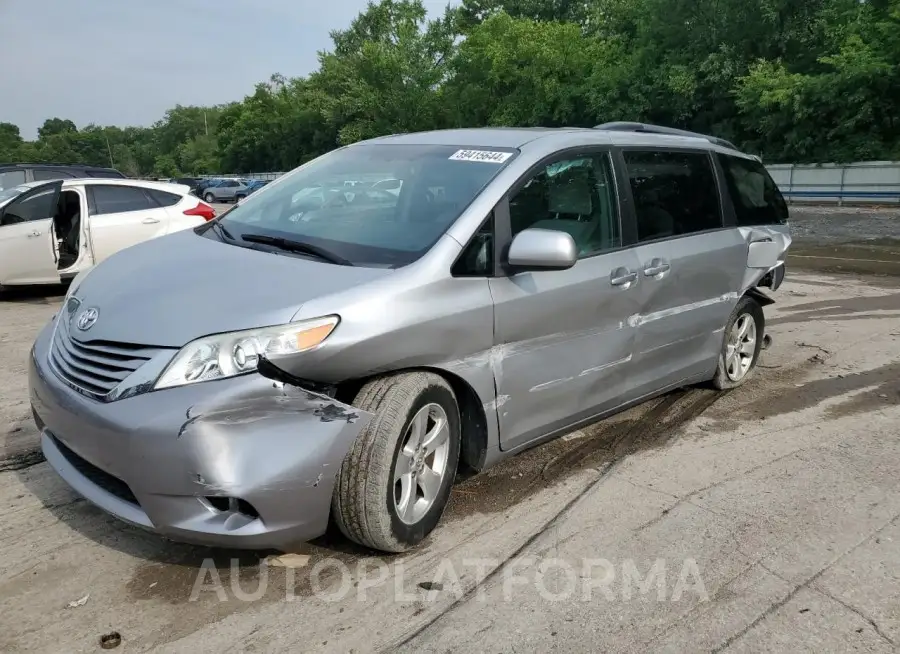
<point x="292" y="362"/>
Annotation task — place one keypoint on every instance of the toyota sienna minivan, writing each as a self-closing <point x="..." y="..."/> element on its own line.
<point x="296" y="360"/>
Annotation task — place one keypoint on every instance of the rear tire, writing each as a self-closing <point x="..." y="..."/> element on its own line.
<point x="388" y="495"/>
<point x="741" y="345"/>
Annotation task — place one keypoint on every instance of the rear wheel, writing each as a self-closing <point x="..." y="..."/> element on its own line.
<point x="743" y="341"/>
<point x="394" y="484"/>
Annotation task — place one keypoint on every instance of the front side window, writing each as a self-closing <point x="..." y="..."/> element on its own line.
<point x="40" y="206"/>
<point x="675" y="193"/>
<point x="119" y="199"/>
<point x="334" y="205"/>
<point x="576" y="196"/>
<point x="754" y="194"/>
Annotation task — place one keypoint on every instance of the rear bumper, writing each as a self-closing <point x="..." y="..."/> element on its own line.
<point x="168" y="460"/>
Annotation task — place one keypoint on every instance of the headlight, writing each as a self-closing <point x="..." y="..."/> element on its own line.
<point x="229" y="355"/>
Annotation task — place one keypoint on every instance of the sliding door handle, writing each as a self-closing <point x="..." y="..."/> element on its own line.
<point x="656" y="267"/>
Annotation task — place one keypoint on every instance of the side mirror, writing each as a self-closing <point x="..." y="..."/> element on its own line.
<point x="542" y="249"/>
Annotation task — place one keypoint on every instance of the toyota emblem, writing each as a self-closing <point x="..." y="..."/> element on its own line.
<point x="87" y="318"/>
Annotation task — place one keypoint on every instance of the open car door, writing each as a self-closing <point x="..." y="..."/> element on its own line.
<point x="27" y="252"/>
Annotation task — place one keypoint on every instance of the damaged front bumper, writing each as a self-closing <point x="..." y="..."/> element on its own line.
<point x="243" y="462"/>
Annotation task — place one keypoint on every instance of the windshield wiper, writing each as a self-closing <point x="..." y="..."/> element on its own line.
<point x="221" y="230"/>
<point x="296" y="246"/>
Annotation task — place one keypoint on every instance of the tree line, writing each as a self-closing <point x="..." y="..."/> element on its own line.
<point x="792" y="80"/>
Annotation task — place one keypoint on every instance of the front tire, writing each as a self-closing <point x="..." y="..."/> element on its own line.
<point x="394" y="483"/>
<point x="741" y="345"/>
<point x="209" y="198"/>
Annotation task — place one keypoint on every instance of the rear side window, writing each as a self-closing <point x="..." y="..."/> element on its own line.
<point x="675" y="193"/>
<point x="41" y="175"/>
<point x="754" y="194"/>
<point x="163" y="198"/>
<point x="119" y="199"/>
<point x="11" y="178"/>
<point x="105" y="174"/>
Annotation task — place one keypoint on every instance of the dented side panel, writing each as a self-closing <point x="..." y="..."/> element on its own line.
<point x="565" y="345"/>
<point x="684" y="310"/>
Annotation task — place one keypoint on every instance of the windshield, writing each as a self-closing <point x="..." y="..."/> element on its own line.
<point x="8" y="194"/>
<point x="334" y="205"/>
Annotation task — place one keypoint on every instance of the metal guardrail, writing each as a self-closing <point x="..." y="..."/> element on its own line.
<point x="868" y="182"/>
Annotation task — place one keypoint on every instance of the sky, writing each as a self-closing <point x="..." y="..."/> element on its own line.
<point x="124" y="62"/>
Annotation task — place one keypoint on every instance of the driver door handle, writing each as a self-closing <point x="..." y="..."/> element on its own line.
<point x="622" y="277"/>
<point x="149" y="221"/>
<point x="34" y="233"/>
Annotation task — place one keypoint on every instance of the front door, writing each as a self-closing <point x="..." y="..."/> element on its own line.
<point x="122" y="216"/>
<point x="690" y="263"/>
<point x="27" y="255"/>
<point x="564" y="341"/>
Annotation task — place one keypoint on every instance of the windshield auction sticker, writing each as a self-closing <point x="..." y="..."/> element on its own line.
<point x="480" y="155"/>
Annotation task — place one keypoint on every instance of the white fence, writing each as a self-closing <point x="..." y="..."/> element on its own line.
<point x="868" y="182"/>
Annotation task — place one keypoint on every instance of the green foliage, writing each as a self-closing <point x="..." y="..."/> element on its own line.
<point x="793" y="80"/>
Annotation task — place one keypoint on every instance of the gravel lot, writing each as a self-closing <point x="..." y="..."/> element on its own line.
<point x="775" y="510"/>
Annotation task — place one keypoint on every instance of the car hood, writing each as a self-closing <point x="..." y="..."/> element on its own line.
<point x="168" y="291"/>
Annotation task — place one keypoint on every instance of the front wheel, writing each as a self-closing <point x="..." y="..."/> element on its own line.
<point x="395" y="482"/>
<point x="210" y="198"/>
<point x="741" y="345"/>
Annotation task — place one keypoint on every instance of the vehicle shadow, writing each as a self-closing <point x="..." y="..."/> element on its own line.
<point x="38" y="294"/>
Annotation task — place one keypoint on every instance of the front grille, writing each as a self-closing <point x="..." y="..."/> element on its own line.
<point x="95" y="367"/>
<point x="99" y="477"/>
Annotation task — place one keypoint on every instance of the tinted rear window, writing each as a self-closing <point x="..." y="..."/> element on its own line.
<point x="674" y="193"/>
<point x="163" y="198"/>
<point x="756" y="197"/>
<point x="119" y="199"/>
<point x="331" y="202"/>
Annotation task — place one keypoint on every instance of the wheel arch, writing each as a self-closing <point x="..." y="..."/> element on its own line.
<point x="472" y="413"/>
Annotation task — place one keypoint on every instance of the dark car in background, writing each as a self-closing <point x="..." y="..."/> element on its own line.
<point x="255" y="185"/>
<point x="190" y="182"/>
<point x="203" y="185"/>
<point x="14" y="174"/>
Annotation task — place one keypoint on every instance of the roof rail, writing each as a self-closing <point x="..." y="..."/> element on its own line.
<point x="54" y="164"/>
<point x="622" y="126"/>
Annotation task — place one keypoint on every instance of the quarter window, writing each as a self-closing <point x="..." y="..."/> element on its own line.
<point x="477" y="260"/>
<point x="754" y="194"/>
<point x="164" y="198"/>
<point x="576" y="196"/>
<point x="675" y="193"/>
<point x="119" y="199"/>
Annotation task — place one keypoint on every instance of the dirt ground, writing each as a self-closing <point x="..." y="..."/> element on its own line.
<point x="775" y="510"/>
